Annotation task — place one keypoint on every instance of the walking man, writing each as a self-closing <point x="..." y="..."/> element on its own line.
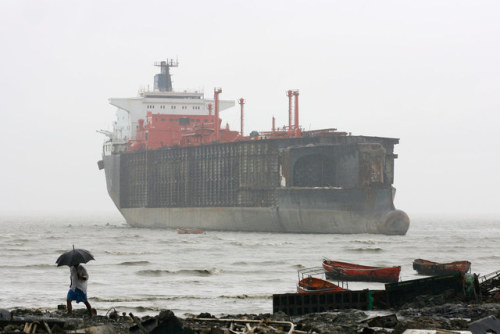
<point x="78" y="287"/>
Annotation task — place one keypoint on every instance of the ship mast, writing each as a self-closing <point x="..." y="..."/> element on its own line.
<point x="163" y="80"/>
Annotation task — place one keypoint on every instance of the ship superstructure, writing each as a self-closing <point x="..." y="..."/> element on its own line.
<point x="170" y="163"/>
<point x="162" y="100"/>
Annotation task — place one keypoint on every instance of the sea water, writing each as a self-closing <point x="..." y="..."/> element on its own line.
<point x="145" y="270"/>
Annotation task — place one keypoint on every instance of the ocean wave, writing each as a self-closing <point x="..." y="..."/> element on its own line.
<point x="365" y="249"/>
<point x="365" y="242"/>
<point x="187" y="272"/>
<point x="240" y="263"/>
<point x="147" y="299"/>
<point x="127" y="253"/>
<point x="143" y="309"/>
<point x="188" y="241"/>
<point x="20" y="249"/>
<point x="39" y="266"/>
<point x="200" y="272"/>
<point x="131" y="300"/>
<point x="244" y="296"/>
<point x="264" y="263"/>
<point x="249" y="243"/>
<point x="298" y="266"/>
<point x="116" y="225"/>
<point x="257" y="244"/>
<point x="167" y="298"/>
<point x="134" y="263"/>
<point x="268" y="262"/>
<point x="152" y="272"/>
<point x="21" y="241"/>
<point x="490" y="257"/>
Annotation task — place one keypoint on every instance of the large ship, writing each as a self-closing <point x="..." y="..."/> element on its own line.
<point x="169" y="163"/>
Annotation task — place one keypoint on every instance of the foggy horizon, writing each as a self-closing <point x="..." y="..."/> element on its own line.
<point x="426" y="73"/>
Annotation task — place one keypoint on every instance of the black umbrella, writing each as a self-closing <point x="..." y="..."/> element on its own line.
<point x="74" y="257"/>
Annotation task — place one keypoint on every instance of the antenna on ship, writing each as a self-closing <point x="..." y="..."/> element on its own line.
<point x="163" y="80"/>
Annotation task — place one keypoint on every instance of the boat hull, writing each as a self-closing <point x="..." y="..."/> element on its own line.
<point x="424" y="267"/>
<point x="176" y="167"/>
<point x="136" y="183"/>
<point x="314" y="284"/>
<point x="359" y="273"/>
<point x="258" y="220"/>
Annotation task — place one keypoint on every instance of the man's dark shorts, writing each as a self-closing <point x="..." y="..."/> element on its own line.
<point x="77" y="295"/>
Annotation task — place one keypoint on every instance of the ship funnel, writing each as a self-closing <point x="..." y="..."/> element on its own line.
<point x="163" y="80"/>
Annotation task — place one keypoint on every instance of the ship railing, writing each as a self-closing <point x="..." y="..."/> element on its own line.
<point x="312" y="271"/>
<point x="323" y="132"/>
<point x="283" y="132"/>
<point x="174" y="94"/>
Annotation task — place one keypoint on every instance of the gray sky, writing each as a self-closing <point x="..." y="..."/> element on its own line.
<point x="427" y="72"/>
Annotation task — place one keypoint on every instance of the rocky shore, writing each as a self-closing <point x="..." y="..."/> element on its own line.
<point x="422" y="314"/>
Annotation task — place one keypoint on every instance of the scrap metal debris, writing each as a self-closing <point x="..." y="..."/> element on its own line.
<point x="490" y="285"/>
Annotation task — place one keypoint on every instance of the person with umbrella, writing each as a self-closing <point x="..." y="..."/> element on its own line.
<point x="78" y="275"/>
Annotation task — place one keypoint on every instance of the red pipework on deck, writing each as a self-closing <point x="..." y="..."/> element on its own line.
<point x="158" y="131"/>
<point x="289" y="93"/>
<point x="242" y="102"/>
<point x="216" y="98"/>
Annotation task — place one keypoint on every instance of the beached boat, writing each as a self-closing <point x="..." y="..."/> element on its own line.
<point x="425" y="267"/>
<point x="355" y="272"/>
<point x="314" y="284"/>
<point x="314" y="280"/>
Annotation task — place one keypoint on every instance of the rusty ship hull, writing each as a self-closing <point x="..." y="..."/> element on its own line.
<point x="170" y="164"/>
<point x="336" y="184"/>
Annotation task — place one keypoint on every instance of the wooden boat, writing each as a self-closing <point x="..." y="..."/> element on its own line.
<point x="314" y="284"/>
<point x="356" y="272"/>
<point x="189" y="231"/>
<point x="425" y="267"/>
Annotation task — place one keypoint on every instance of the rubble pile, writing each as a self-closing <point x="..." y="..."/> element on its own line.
<point x="456" y="316"/>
